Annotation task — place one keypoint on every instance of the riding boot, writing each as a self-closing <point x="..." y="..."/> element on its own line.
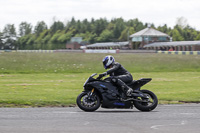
<point x="125" y="88"/>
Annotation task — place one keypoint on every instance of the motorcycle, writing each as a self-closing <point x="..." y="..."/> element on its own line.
<point x="98" y="92"/>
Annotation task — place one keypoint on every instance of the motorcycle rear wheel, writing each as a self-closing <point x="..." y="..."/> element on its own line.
<point x="147" y="106"/>
<point x="87" y="104"/>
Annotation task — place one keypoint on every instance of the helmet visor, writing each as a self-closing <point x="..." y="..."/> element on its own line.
<point x="104" y="63"/>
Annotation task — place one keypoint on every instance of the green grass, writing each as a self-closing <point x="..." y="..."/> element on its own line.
<point x="55" y="79"/>
<point x="84" y="63"/>
<point x="62" y="89"/>
<point x="174" y="87"/>
<point x="40" y="89"/>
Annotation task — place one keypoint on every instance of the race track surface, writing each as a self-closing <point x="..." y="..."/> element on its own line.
<point x="164" y="119"/>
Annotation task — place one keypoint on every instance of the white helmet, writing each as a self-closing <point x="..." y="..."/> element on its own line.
<point x="108" y="61"/>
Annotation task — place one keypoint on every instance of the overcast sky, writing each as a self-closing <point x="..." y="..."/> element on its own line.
<point x="159" y="12"/>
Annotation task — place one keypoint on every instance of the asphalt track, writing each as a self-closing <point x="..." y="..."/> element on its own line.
<point x="164" y="119"/>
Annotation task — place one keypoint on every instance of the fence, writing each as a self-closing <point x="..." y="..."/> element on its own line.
<point x="36" y="51"/>
<point x="107" y="51"/>
<point x="180" y="52"/>
<point x="41" y="51"/>
<point x="82" y="51"/>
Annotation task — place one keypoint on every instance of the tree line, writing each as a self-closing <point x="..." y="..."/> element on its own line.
<point x="95" y="30"/>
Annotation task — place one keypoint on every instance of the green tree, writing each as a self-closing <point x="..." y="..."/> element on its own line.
<point x="10" y="37"/>
<point x="25" y="28"/>
<point x="164" y="29"/>
<point x="58" y="25"/>
<point x="64" y="37"/>
<point x="55" y="41"/>
<point x="176" y="35"/>
<point x="180" y="29"/>
<point x="31" y="41"/>
<point x="136" y="24"/>
<point x="118" y="28"/>
<point x="78" y="27"/>
<point x="95" y="30"/>
<point x="72" y="23"/>
<point x="189" y="33"/>
<point x="9" y="30"/>
<point x="198" y="36"/>
<point x="1" y="41"/>
<point x="105" y="36"/>
<point x="22" y="42"/>
<point x="110" y="26"/>
<point x="99" y="26"/>
<point x="40" y="27"/>
<point x="54" y="38"/>
<point x="125" y="33"/>
<point x="41" y="43"/>
<point x="86" y="26"/>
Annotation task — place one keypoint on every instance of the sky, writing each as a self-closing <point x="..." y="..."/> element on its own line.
<point x="158" y="12"/>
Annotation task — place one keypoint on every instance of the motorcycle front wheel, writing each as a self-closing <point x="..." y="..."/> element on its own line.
<point x="88" y="103"/>
<point x="150" y="104"/>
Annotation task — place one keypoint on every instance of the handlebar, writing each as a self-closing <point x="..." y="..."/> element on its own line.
<point x="99" y="77"/>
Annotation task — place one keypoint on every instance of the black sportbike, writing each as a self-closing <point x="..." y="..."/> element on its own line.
<point x="103" y="93"/>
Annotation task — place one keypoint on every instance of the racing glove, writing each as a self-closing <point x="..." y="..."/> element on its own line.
<point x="102" y="75"/>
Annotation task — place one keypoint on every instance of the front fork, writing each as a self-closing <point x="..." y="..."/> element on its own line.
<point x="90" y="94"/>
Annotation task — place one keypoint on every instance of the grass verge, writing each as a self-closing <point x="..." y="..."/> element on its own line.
<point x="50" y="89"/>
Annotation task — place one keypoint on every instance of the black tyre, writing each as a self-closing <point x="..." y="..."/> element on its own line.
<point x="87" y="104"/>
<point x="147" y="106"/>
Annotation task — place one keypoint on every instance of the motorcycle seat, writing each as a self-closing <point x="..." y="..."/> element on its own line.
<point x="132" y="83"/>
<point x="136" y="84"/>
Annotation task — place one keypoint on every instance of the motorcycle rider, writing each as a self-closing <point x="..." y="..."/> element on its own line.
<point x="118" y="74"/>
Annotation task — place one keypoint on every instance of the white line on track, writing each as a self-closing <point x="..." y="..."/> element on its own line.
<point x="58" y="112"/>
<point x="158" y="126"/>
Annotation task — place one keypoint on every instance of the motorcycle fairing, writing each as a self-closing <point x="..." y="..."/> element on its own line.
<point x="109" y="94"/>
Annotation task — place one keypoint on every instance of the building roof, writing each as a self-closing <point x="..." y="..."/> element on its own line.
<point x="108" y="44"/>
<point x="175" y="43"/>
<point x="149" y="32"/>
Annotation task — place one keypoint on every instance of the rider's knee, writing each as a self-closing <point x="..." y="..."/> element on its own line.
<point x="114" y="80"/>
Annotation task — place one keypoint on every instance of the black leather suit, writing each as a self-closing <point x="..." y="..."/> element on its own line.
<point x="119" y="75"/>
<point x="119" y="72"/>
